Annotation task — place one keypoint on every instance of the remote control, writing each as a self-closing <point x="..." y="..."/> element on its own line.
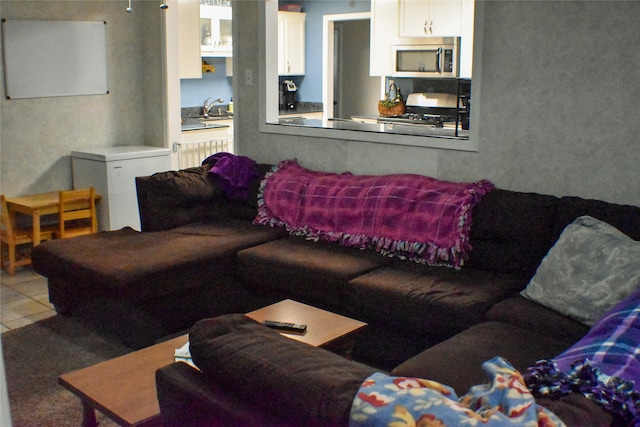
<point x="294" y="327"/>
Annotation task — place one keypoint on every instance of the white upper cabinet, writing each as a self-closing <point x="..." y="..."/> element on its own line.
<point x="291" y="42"/>
<point x="190" y="63"/>
<point x="419" y="18"/>
<point x="384" y="27"/>
<point x="215" y="31"/>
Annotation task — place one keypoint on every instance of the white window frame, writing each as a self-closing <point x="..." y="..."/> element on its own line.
<point x="268" y="97"/>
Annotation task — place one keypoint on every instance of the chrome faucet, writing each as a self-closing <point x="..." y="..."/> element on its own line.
<point x="206" y="107"/>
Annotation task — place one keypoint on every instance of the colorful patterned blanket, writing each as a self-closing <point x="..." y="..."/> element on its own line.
<point x="388" y="401"/>
<point x="404" y="215"/>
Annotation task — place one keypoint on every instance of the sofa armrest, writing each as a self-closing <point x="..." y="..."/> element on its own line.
<point x="188" y="399"/>
<point x="275" y="376"/>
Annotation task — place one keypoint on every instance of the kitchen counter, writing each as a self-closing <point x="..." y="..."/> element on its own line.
<point x="370" y="124"/>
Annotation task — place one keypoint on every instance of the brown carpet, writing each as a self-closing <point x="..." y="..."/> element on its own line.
<point x="34" y="357"/>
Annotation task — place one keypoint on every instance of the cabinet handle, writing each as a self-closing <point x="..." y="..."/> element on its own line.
<point x="288" y="67"/>
<point x="428" y="27"/>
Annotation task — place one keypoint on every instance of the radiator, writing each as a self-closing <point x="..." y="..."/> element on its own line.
<point x="192" y="153"/>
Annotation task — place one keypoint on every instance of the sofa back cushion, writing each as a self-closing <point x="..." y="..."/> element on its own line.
<point x="625" y="218"/>
<point x="512" y="231"/>
<point x="173" y="198"/>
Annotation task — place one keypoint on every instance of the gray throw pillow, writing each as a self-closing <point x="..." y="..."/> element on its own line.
<point x="591" y="268"/>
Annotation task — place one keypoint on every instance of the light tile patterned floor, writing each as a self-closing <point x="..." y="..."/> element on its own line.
<point x="24" y="299"/>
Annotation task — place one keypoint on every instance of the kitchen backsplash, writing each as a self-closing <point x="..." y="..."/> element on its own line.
<point x="304" y="107"/>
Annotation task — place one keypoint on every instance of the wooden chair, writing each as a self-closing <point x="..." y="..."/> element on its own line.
<point x="77" y="213"/>
<point x="12" y="237"/>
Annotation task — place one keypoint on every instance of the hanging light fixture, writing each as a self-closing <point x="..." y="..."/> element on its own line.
<point x="163" y="6"/>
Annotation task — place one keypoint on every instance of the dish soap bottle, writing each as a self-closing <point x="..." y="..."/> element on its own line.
<point x="230" y="107"/>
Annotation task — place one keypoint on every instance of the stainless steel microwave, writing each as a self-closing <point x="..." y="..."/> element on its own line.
<point x="426" y="57"/>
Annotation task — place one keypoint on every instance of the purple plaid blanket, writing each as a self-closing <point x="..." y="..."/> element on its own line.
<point x="604" y="365"/>
<point x="404" y="215"/>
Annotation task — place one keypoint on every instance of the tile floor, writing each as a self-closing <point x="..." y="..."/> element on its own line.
<point x="24" y="299"/>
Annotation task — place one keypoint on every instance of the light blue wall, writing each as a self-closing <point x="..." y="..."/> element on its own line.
<point x="193" y="92"/>
<point x="310" y="85"/>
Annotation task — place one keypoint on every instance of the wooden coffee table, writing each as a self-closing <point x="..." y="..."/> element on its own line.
<point x="324" y="329"/>
<point x="124" y="388"/>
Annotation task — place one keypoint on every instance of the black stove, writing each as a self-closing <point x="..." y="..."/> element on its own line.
<point x="437" y="120"/>
<point x="431" y="116"/>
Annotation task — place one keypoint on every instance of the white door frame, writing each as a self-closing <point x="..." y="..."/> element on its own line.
<point x="328" y="22"/>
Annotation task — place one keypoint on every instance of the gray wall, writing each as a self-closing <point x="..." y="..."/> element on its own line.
<point x="38" y="135"/>
<point x="554" y="116"/>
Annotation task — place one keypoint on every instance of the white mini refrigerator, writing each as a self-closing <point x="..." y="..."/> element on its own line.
<point x="112" y="171"/>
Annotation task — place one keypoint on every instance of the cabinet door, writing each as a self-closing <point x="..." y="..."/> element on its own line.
<point x="190" y="63"/>
<point x="419" y="18"/>
<point x="291" y="43"/>
<point x="384" y="27"/>
<point x="215" y="31"/>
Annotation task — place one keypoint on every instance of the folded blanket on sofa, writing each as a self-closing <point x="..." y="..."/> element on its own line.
<point x="384" y="400"/>
<point x="404" y="215"/>
<point x="234" y="173"/>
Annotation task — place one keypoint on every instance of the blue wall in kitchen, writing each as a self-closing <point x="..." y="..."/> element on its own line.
<point x="310" y="85"/>
<point x="193" y="92"/>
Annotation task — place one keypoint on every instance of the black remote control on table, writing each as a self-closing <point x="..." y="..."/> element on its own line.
<point x="294" y="327"/>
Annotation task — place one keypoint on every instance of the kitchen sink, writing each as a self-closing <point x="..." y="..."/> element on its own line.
<point x="203" y="125"/>
<point x="213" y="117"/>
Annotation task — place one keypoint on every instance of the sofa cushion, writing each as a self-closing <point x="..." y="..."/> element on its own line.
<point x="143" y="265"/>
<point x="576" y="410"/>
<point x="526" y="314"/>
<point x="457" y="361"/>
<point x="302" y="384"/>
<point x="240" y="232"/>
<point x="172" y="198"/>
<point x="311" y="272"/>
<point x="591" y="268"/>
<point x="512" y="231"/>
<point x="625" y="218"/>
<point x="434" y="301"/>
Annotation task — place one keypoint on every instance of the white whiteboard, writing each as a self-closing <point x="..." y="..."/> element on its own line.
<point x="54" y="58"/>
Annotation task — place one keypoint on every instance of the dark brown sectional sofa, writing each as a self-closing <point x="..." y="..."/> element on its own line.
<point x="198" y="256"/>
